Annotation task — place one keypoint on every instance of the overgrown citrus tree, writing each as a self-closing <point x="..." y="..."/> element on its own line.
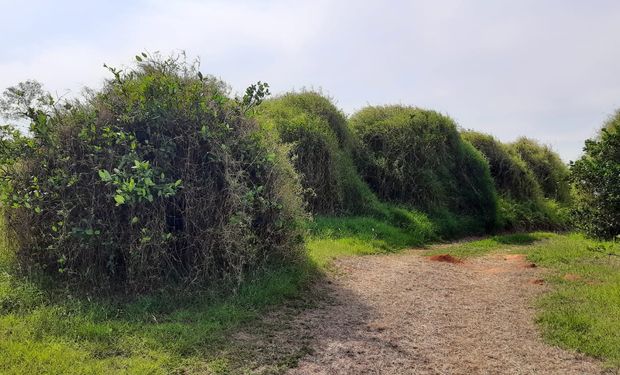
<point x="596" y="178"/>
<point x="158" y="177"/>
<point x="550" y="171"/>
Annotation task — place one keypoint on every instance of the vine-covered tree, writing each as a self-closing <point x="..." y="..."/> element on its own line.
<point x="159" y="176"/>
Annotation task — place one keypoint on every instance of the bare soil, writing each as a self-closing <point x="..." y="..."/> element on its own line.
<point x="445" y="258"/>
<point x="408" y="314"/>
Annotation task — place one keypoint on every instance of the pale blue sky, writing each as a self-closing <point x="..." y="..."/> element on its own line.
<point x="547" y="69"/>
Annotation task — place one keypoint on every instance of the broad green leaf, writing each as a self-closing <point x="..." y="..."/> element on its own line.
<point x="131" y="185"/>
<point x="105" y="175"/>
<point x="119" y="199"/>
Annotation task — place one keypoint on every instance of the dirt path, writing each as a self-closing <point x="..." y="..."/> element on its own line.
<point x="406" y="314"/>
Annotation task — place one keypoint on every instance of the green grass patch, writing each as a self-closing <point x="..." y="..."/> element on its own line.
<point x="332" y="237"/>
<point x="514" y="242"/>
<point x="583" y="312"/>
<point x="155" y="334"/>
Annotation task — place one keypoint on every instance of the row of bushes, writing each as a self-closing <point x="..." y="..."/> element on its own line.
<point x="419" y="160"/>
<point x="163" y="176"/>
<point x="531" y="182"/>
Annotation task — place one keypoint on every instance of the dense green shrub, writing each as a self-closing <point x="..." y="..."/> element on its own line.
<point x="535" y="214"/>
<point x="596" y="177"/>
<point x="158" y="177"/>
<point x="522" y="205"/>
<point x="546" y="165"/>
<point x="512" y="177"/>
<point x="322" y="149"/>
<point x="418" y="158"/>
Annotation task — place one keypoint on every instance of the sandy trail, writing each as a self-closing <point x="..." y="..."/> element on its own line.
<point x="406" y="314"/>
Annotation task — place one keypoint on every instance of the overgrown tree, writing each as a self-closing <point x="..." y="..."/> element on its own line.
<point x="417" y="157"/>
<point x="596" y="178"/>
<point x="322" y="149"/>
<point x="159" y="177"/>
<point x="550" y="171"/>
<point x="522" y="205"/>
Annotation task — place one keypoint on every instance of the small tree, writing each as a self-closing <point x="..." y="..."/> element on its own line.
<point x="596" y="177"/>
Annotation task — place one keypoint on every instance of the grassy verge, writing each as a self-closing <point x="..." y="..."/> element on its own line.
<point x="582" y="311"/>
<point x="155" y="334"/>
<point x="514" y="241"/>
<point x="171" y="333"/>
<point x="334" y="237"/>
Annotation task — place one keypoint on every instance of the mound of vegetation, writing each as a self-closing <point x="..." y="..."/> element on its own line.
<point x="513" y="178"/>
<point x="322" y="150"/>
<point x="522" y="204"/>
<point x="158" y="177"/>
<point x="546" y="165"/>
<point x="417" y="157"/>
<point x="596" y="177"/>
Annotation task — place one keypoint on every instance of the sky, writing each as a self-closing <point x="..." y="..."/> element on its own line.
<point x="545" y="69"/>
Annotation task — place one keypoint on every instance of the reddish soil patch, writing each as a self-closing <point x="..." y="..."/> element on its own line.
<point x="537" y="281"/>
<point x="571" y="277"/>
<point x="445" y="258"/>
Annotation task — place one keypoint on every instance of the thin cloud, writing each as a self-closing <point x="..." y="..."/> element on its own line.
<point x="540" y="69"/>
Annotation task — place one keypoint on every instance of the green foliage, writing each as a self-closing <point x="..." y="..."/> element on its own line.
<point x="522" y="205"/>
<point x="416" y="157"/>
<point x="583" y="312"/>
<point x="536" y="214"/>
<point x="321" y="147"/>
<point x="548" y="169"/>
<point x="596" y="177"/>
<point x="26" y="100"/>
<point x="516" y="242"/>
<point x="158" y="177"/>
<point x="513" y="179"/>
<point x="392" y="229"/>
